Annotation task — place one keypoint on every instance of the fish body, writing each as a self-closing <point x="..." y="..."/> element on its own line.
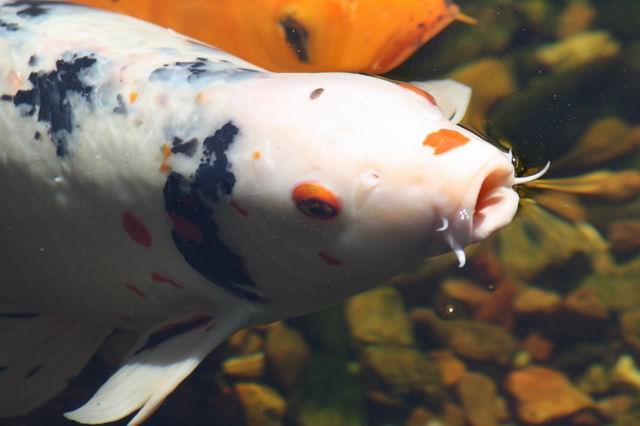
<point x="301" y="35"/>
<point x="161" y="186"/>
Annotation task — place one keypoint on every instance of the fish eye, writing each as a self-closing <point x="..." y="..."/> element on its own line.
<point x="316" y="201"/>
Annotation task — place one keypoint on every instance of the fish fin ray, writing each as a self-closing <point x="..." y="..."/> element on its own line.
<point x="452" y="97"/>
<point x="39" y="356"/>
<point x="153" y="370"/>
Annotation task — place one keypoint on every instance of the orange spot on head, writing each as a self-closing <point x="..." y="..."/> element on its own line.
<point x="418" y="91"/>
<point x="200" y="98"/>
<point x="135" y="229"/>
<point x="133" y="97"/>
<point x="316" y="201"/>
<point x="445" y="140"/>
<point x="256" y="155"/>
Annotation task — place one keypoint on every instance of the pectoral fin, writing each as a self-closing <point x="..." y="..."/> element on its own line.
<point x="161" y="359"/>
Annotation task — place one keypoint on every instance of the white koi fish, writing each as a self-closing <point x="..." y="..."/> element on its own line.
<point x="153" y="184"/>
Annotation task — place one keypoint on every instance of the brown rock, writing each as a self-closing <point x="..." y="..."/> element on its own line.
<point x="579" y="51"/>
<point x="419" y="416"/>
<point x="614" y="407"/>
<point x="470" y="339"/>
<point x="624" y="235"/>
<point x="585" y="302"/>
<point x="378" y="317"/>
<point x="478" y="395"/>
<point x="451" y="368"/>
<point x="626" y="373"/>
<point x="403" y="371"/>
<point x="287" y="352"/>
<point x="245" y="342"/>
<point x="538" y="347"/>
<point x="533" y="300"/>
<point x="468" y="292"/>
<point x="453" y="415"/>
<point x="247" y="367"/>
<point x="262" y="406"/>
<point x="576" y="17"/>
<point x="544" y="395"/>
<point x="595" y="380"/>
<point x="630" y="329"/>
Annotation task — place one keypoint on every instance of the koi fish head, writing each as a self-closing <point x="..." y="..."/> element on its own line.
<point x="351" y="178"/>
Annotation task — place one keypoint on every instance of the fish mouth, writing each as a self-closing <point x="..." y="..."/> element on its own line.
<point x="489" y="205"/>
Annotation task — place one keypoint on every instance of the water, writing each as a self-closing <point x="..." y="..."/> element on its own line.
<point x="544" y="322"/>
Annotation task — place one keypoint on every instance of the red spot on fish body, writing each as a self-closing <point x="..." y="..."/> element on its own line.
<point x="239" y="208"/>
<point x="166" y="153"/>
<point x="445" y="140"/>
<point x="135" y="290"/>
<point x="329" y="260"/>
<point x="135" y="229"/>
<point x="420" y="92"/>
<point x="186" y="230"/>
<point x="161" y="279"/>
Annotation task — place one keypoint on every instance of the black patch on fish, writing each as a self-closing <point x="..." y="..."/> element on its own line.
<point x="163" y="335"/>
<point x="33" y="372"/>
<point x="50" y="97"/>
<point x="6" y="98"/>
<point x="187" y="148"/>
<point x="35" y="8"/>
<point x="201" y="68"/>
<point x="37" y="136"/>
<point x="191" y="200"/>
<point x="9" y="26"/>
<point x="33" y="60"/>
<point x="297" y="37"/>
<point x="121" y="108"/>
<point x="19" y="315"/>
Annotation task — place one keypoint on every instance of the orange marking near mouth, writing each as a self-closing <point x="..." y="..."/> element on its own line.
<point x="256" y="155"/>
<point x="133" y="97"/>
<point x="420" y="92"/>
<point x="445" y="140"/>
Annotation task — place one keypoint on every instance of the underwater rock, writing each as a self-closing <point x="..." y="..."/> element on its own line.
<point x="533" y="300"/>
<point x="585" y="302"/>
<point x="624" y="235"/>
<point x="245" y="342"/>
<point x="478" y="395"/>
<point x="614" y="407"/>
<point x="604" y="140"/>
<point x="328" y="393"/>
<point x="469" y="339"/>
<point x="419" y="416"/>
<point x="543" y="395"/>
<point x="452" y="415"/>
<point x="245" y="367"/>
<point x="577" y="17"/>
<point x="403" y="371"/>
<point x="539" y="347"/>
<point x="540" y="16"/>
<point x="471" y="294"/>
<point x="262" y="405"/>
<point x="594" y="381"/>
<point x="626" y="373"/>
<point x="630" y="329"/>
<point x="451" y="368"/>
<point x="287" y="352"/>
<point x="616" y="290"/>
<point x="579" y="51"/>
<point x="492" y="80"/>
<point x="378" y="317"/>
